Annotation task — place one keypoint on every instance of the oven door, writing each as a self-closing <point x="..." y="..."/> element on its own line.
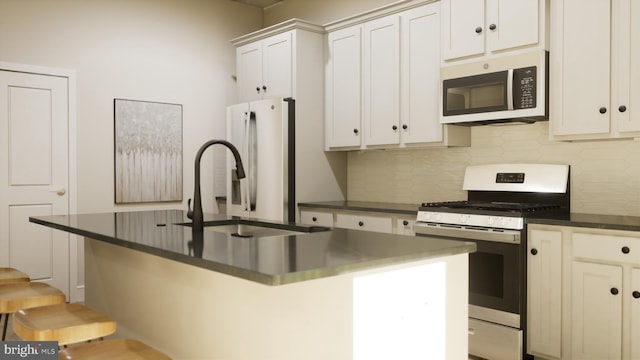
<point x="495" y="270"/>
<point x="494" y="277"/>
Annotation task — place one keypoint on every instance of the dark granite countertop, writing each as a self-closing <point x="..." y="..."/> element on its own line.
<point x="393" y="208"/>
<point x="612" y="222"/>
<point x="609" y="222"/>
<point x="271" y="260"/>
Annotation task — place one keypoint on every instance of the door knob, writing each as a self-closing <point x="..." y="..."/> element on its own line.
<point x="60" y="192"/>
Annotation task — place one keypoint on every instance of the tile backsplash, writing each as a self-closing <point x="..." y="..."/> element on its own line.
<point x="605" y="175"/>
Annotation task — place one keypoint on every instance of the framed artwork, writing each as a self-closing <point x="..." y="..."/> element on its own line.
<point x="147" y="151"/>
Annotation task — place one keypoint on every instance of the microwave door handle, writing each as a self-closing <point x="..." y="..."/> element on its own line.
<point x="510" y="89"/>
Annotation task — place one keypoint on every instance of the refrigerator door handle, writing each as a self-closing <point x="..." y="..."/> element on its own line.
<point x="244" y="188"/>
<point x="253" y="161"/>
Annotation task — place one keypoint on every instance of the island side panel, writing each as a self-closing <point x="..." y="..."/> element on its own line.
<point x="194" y="313"/>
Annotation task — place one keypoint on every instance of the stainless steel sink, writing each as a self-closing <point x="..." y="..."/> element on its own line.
<point x="246" y="231"/>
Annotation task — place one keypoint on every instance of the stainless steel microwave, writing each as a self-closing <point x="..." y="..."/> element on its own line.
<point x="498" y="90"/>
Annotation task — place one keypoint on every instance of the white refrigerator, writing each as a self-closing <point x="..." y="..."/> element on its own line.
<point x="264" y="133"/>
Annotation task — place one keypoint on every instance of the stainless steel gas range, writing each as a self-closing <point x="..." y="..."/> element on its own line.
<point x="500" y="198"/>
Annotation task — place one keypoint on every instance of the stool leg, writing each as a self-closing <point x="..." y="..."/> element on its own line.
<point x="6" y="321"/>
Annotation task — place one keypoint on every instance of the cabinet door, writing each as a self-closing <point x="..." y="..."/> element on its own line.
<point x="343" y="83"/>
<point x="463" y="28"/>
<point x="596" y="311"/>
<point x="249" y="68"/>
<point x="277" y="59"/>
<point x="635" y="314"/>
<point x="381" y="85"/>
<point x="420" y="75"/>
<point x="626" y="72"/>
<point x="511" y="23"/>
<point x="544" y="292"/>
<point x="580" y="78"/>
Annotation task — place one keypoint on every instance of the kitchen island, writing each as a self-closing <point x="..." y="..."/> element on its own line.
<point x="305" y="293"/>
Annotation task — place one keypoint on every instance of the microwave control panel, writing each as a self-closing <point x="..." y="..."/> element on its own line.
<point x="524" y="87"/>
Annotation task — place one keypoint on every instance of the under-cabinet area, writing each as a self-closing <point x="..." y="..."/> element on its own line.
<point x="583" y="293"/>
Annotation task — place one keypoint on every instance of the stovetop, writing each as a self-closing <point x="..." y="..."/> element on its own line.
<point x="488" y="206"/>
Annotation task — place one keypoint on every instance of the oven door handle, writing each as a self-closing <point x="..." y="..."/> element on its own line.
<point x="503" y="236"/>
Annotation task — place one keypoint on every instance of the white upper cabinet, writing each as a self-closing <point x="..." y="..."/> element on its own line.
<point x="343" y="97"/>
<point x="478" y="27"/>
<point x="593" y="84"/>
<point x="382" y="81"/>
<point x="264" y="68"/>
<point x="381" y="85"/>
<point x="420" y="79"/>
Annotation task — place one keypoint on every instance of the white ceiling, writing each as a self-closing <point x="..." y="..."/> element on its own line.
<point x="259" y="3"/>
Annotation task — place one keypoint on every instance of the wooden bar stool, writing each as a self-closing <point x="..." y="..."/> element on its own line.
<point x="64" y="323"/>
<point x="113" y="349"/>
<point x="11" y="275"/>
<point x="25" y="295"/>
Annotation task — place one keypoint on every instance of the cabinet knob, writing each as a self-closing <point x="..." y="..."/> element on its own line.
<point x="636" y="294"/>
<point x="360" y="223"/>
<point x="264" y="87"/>
<point x="405" y="222"/>
<point x="614" y="291"/>
<point x="394" y="127"/>
<point x="622" y="108"/>
<point x="534" y="251"/>
<point x="314" y="219"/>
<point x="625" y="250"/>
<point x="478" y="30"/>
<point x="258" y="89"/>
<point x="492" y="27"/>
<point x="355" y="131"/>
<point x="603" y="110"/>
<point x="405" y="127"/>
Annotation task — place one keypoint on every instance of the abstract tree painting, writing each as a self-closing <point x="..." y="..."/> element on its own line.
<point x="148" y="151"/>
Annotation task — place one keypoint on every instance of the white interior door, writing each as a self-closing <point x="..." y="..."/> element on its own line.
<point x="34" y="168"/>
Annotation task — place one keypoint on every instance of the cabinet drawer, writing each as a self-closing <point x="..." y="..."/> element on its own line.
<point x="364" y="222"/>
<point x="405" y="226"/>
<point x="607" y="247"/>
<point x="316" y="218"/>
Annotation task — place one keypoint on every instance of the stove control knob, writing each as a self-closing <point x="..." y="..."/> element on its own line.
<point x="427" y="216"/>
<point x="464" y="218"/>
<point x="438" y="217"/>
<point x="490" y="220"/>
<point x="503" y="221"/>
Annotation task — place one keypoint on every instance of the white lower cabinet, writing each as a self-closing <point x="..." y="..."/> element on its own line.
<point x="359" y="221"/>
<point x="583" y="293"/>
<point x="319" y="218"/>
<point x="404" y="226"/>
<point x="635" y="313"/>
<point x="596" y="316"/>
<point x="378" y="221"/>
<point x="544" y="293"/>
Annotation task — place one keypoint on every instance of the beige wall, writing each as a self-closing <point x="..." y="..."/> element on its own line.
<point x="605" y="175"/>
<point x="319" y="11"/>
<point x="153" y="50"/>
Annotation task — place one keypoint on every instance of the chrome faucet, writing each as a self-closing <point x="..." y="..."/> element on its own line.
<point x="196" y="214"/>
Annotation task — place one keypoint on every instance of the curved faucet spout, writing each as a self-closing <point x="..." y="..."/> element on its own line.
<point x="196" y="214"/>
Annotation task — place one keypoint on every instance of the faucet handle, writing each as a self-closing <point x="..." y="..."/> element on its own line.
<point x="189" y="210"/>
